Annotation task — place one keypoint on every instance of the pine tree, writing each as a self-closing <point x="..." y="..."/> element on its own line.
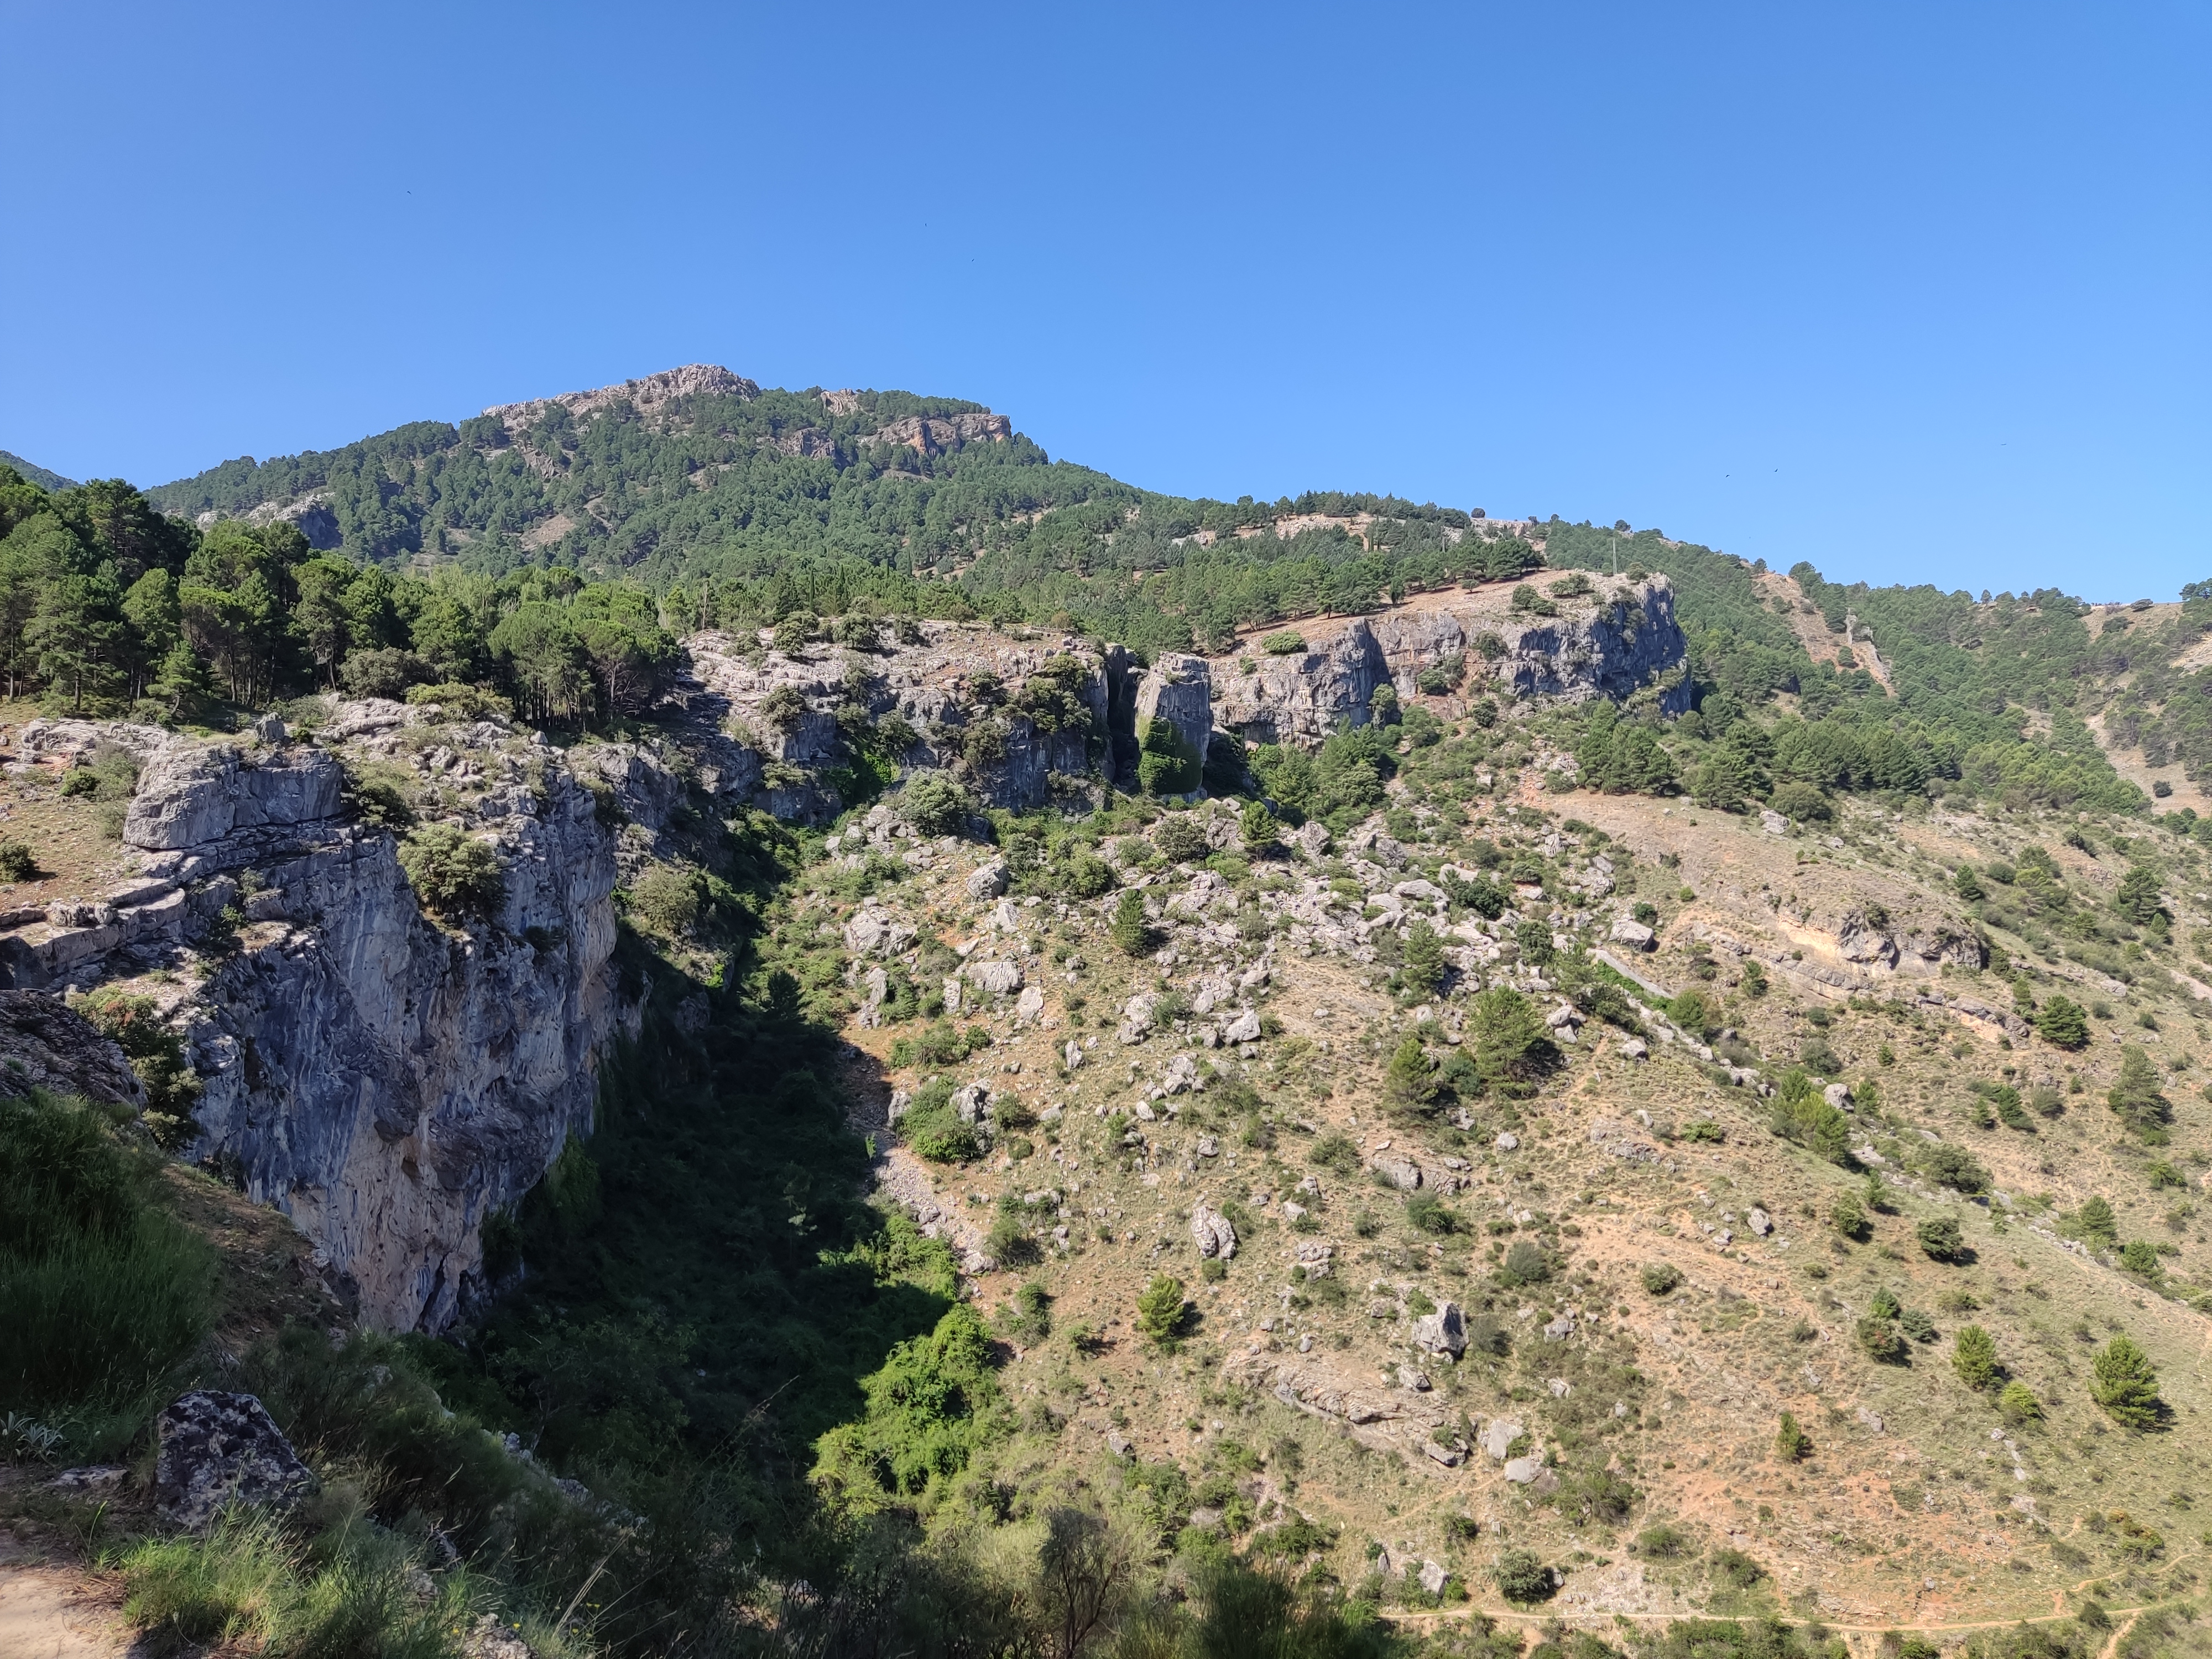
<point x="2139" y="898"/>
<point x="1159" y="1311"/>
<point x="2063" y="1022"/>
<point x="1975" y="1358"/>
<point x="1791" y="1443"/>
<point x="1513" y="1050"/>
<point x="1422" y="970"/>
<point x="2126" y="1386"/>
<point x="2135" y="1099"/>
<point x="1409" y="1081"/>
<point x="1131" y="933"/>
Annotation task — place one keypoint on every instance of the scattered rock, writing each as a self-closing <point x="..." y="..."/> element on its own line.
<point x="1634" y="934"/>
<point x="1443" y="1331"/>
<point x="1499" y="1437"/>
<point x="988" y="880"/>
<point x="1432" y="1575"/>
<point x="1773" y="821"/>
<point x="1211" y="1231"/>
<point x="1530" y="1472"/>
<point x="1561" y="1329"/>
<point x="218" y="1449"/>
<point x="1507" y="1141"/>
<point x="1414" y="1378"/>
<point x="1759" y="1221"/>
<point x="1245" y="1028"/>
<point x="999" y="979"/>
<point x="1399" y="1172"/>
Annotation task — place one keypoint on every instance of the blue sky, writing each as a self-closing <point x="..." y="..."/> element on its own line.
<point x="1917" y="293"/>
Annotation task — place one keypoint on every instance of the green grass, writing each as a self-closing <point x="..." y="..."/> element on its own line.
<point x="103" y="1293"/>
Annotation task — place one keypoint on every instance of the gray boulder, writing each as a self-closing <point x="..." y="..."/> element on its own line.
<point x="190" y="794"/>
<point x="1499" y="1437"/>
<point x="218" y="1449"/>
<point x="1399" y="1172"/>
<point x="1443" y="1331"/>
<point x="998" y="979"/>
<point x="1211" y="1231"/>
<point x="988" y="880"/>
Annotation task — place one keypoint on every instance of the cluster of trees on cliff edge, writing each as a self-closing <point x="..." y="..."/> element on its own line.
<point x="109" y="607"/>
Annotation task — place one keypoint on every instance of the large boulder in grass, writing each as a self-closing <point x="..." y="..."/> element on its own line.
<point x="218" y="1449"/>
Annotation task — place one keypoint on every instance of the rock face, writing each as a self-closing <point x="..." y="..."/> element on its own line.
<point x="218" y="1449"/>
<point x="45" y="1045"/>
<point x="1179" y="689"/>
<point x="1619" y="640"/>
<point x="964" y="692"/>
<point x="386" y="1081"/>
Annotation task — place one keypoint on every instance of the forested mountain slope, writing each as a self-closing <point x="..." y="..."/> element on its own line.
<point x="1327" y="1077"/>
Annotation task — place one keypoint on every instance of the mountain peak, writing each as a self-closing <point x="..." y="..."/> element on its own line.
<point x="648" y="394"/>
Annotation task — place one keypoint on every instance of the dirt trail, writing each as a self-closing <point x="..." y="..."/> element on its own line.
<point x="54" y="1612"/>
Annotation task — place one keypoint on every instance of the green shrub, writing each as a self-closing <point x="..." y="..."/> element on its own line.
<point x="1426" y="1212"/>
<point x="1287" y="643"/>
<point x="1882" y="1341"/>
<point x="1524" y="1264"/>
<point x="1660" y="1278"/>
<point x="933" y="1129"/>
<point x="664" y="901"/>
<point x="1160" y="1311"/>
<point x="1974" y="1357"/>
<point x="102" y="1292"/>
<point x="1179" y="837"/>
<point x="1940" y="1240"/>
<point x="17" y="862"/>
<point x="453" y="874"/>
<point x="1735" y="1569"/>
<point x="1089" y="877"/>
<point x="1335" y="1152"/>
<point x="1951" y="1166"/>
<point x="2125" y="1385"/>
<point x="935" y="804"/>
<point x="2139" y="1257"/>
<point x="2017" y="1402"/>
<point x="1522" y="1576"/>
<point x="157" y="1054"/>
<point x="1791" y="1443"/>
<point x="456" y="701"/>
<point x="1663" y="1542"/>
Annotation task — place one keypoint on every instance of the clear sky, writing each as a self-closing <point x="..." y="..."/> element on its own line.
<point x="1916" y="292"/>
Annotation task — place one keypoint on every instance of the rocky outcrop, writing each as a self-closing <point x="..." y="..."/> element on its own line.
<point x="386" y="1080"/>
<point x="1609" y="644"/>
<point x="217" y="1449"/>
<point x="963" y="692"/>
<point x="1178" y="689"/>
<point x="43" y="1044"/>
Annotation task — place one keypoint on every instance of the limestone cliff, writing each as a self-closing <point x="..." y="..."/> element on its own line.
<point x="1610" y="642"/>
<point x="384" y="1080"/>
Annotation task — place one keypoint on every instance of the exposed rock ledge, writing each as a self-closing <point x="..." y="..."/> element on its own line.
<point x="386" y="1081"/>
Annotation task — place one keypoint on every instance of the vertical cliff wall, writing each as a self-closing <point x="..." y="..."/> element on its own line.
<point x="386" y="1079"/>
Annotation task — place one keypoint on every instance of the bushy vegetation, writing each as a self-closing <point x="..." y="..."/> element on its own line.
<point x="103" y="1294"/>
